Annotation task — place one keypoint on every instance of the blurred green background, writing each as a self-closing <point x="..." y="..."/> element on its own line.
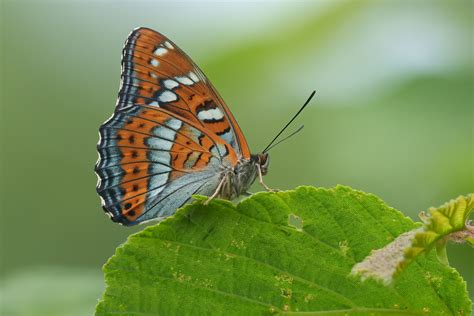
<point x="393" y="115"/>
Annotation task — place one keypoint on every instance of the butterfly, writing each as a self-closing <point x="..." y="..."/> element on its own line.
<point x="170" y="137"/>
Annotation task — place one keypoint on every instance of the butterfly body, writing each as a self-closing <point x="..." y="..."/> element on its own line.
<point x="171" y="136"/>
<point x="237" y="180"/>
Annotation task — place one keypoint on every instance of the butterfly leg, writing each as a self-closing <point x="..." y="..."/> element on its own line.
<point x="218" y="189"/>
<point x="260" y="178"/>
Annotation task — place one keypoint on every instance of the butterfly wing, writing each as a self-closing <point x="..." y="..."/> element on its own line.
<point x="151" y="161"/>
<point x="156" y="72"/>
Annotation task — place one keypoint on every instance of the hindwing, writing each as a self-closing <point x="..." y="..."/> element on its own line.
<point x="151" y="161"/>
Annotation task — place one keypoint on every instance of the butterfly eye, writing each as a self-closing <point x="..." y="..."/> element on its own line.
<point x="264" y="162"/>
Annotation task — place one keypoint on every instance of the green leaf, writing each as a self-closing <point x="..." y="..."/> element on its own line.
<point x="446" y="222"/>
<point x="283" y="253"/>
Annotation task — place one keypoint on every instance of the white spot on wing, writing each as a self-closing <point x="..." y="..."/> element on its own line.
<point x="158" y="143"/>
<point x="160" y="51"/>
<point x="189" y="163"/>
<point x="174" y="123"/>
<point x="170" y="84"/>
<point x="153" y="75"/>
<point x="154" y="62"/>
<point x="169" y="45"/>
<point x="211" y="114"/>
<point x="154" y="103"/>
<point x="193" y="77"/>
<point x="159" y="156"/>
<point x="185" y="80"/>
<point x="158" y="181"/>
<point x="167" y="96"/>
<point x="167" y="132"/>
<point x="157" y="168"/>
<point x="219" y="150"/>
<point x="228" y="137"/>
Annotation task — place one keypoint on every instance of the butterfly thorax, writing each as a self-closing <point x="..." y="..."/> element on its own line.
<point x="239" y="179"/>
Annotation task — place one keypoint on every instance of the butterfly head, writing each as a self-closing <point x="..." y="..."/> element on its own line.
<point x="264" y="161"/>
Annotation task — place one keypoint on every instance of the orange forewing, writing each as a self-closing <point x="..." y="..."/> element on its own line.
<point x="150" y="70"/>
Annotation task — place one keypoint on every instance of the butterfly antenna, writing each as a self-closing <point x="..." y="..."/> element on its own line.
<point x="287" y="124"/>
<point x="282" y="140"/>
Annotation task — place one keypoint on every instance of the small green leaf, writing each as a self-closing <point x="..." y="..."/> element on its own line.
<point x="447" y="222"/>
<point x="275" y="253"/>
<point x="198" y="197"/>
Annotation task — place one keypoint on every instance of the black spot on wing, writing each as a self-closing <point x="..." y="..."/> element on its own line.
<point x="224" y="131"/>
<point x="205" y="106"/>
